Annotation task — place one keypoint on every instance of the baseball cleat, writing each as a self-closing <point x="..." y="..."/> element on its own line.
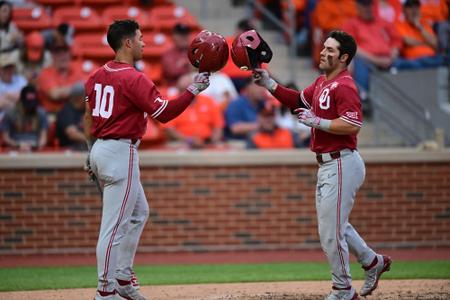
<point x="107" y="296"/>
<point x="134" y="281"/>
<point x="129" y="292"/>
<point x="349" y="294"/>
<point x="373" y="274"/>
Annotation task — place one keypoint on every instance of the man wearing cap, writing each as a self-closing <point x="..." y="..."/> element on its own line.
<point x="10" y="82"/>
<point x="378" y="44"/>
<point x="34" y="57"/>
<point x="25" y="126"/>
<point x="175" y="62"/>
<point x="60" y="81"/>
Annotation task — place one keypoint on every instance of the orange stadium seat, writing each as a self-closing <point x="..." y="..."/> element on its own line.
<point x="81" y="18"/>
<point x="156" y="44"/>
<point x="99" y="3"/>
<point x="55" y="3"/>
<point x="164" y="18"/>
<point x="28" y="19"/>
<point x="152" y="70"/>
<point x="92" y="45"/>
<point x="120" y="12"/>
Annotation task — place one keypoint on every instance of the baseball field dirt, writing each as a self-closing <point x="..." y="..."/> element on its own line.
<point x="306" y="290"/>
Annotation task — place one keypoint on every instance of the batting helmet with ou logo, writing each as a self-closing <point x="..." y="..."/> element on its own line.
<point x="249" y="50"/>
<point x="208" y="51"/>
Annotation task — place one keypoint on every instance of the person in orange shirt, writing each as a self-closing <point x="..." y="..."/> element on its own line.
<point x="269" y="135"/>
<point x="420" y="44"/>
<point x="435" y="11"/>
<point x="201" y="124"/>
<point x="60" y="81"/>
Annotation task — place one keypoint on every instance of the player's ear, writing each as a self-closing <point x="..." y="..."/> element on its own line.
<point x="343" y="58"/>
<point x="128" y="43"/>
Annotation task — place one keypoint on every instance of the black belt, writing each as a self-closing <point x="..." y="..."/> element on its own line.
<point x="329" y="156"/>
<point x="133" y="141"/>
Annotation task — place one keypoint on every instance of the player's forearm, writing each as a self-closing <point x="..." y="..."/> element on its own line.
<point x="75" y="134"/>
<point x="289" y="97"/>
<point x="339" y="127"/>
<point x="175" y="107"/>
<point x="42" y="139"/>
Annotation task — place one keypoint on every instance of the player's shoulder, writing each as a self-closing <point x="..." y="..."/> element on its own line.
<point x="345" y="81"/>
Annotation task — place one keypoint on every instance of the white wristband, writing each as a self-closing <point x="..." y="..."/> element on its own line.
<point x="324" y="124"/>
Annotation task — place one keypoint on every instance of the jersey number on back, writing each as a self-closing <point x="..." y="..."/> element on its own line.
<point x="104" y="101"/>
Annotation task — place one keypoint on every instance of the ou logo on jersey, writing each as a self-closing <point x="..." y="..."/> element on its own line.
<point x="324" y="99"/>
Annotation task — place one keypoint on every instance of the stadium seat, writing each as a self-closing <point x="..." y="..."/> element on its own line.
<point x="81" y="18"/>
<point x="86" y="65"/>
<point x="99" y="3"/>
<point x="28" y="19"/>
<point x="156" y="44"/>
<point x="152" y="70"/>
<point x="92" y="45"/>
<point x="120" y="12"/>
<point x="55" y="3"/>
<point x="164" y="18"/>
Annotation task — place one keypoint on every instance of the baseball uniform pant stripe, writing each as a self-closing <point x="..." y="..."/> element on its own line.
<point x="338" y="219"/>
<point x="122" y="210"/>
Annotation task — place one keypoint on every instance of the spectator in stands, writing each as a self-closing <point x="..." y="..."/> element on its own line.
<point x="25" y="125"/>
<point x="269" y="135"/>
<point x="70" y="124"/>
<point x="201" y="124"/>
<point x="242" y="113"/>
<point x="221" y="89"/>
<point x="420" y="43"/>
<point x="62" y="34"/>
<point x="237" y="76"/>
<point x="11" y="83"/>
<point x="10" y="37"/>
<point x="444" y="37"/>
<point x="378" y="44"/>
<point x="34" y="57"/>
<point x="434" y="11"/>
<point x="60" y="81"/>
<point x="305" y="9"/>
<point x="389" y="11"/>
<point x="175" y="61"/>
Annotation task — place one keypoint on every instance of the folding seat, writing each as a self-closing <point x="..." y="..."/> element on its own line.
<point x="120" y="12"/>
<point x="164" y="18"/>
<point x="93" y="46"/>
<point x="156" y="44"/>
<point x="81" y="18"/>
<point x="152" y="70"/>
<point x="28" y="19"/>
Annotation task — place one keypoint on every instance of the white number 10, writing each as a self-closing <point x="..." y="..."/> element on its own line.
<point x="103" y="97"/>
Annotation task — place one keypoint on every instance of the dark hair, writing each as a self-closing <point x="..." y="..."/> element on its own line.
<point x="8" y="22"/>
<point x="347" y="44"/>
<point x="120" y="30"/>
<point x="411" y="3"/>
<point x="245" y="25"/>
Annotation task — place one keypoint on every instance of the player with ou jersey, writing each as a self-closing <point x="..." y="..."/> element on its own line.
<point x="332" y="108"/>
<point x="119" y="101"/>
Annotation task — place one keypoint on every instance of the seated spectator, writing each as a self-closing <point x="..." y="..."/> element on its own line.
<point x="434" y="11"/>
<point x="269" y="135"/>
<point x="62" y="34"/>
<point x="34" y="57"/>
<point x="389" y="11"/>
<point x="60" y="81"/>
<point x="242" y="113"/>
<point x="11" y="37"/>
<point x="175" y="61"/>
<point x="25" y="126"/>
<point x="201" y="124"/>
<point x="70" y="124"/>
<point x="221" y="89"/>
<point x="378" y="44"/>
<point x="444" y="37"/>
<point x="420" y="44"/>
<point x="11" y="83"/>
<point x="154" y="136"/>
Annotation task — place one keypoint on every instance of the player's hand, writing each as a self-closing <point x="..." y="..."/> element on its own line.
<point x="200" y="83"/>
<point x="307" y="117"/>
<point x="261" y="77"/>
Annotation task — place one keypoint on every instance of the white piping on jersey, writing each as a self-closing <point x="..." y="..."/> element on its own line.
<point x="353" y="122"/>
<point x="86" y="99"/>
<point x="304" y="100"/>
<point x="160" y="109"/>
<point x="109" y="69"/>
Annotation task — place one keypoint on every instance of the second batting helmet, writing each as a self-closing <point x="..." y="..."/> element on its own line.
<point x="208" y="51"/>
<point x="249" y="50"/>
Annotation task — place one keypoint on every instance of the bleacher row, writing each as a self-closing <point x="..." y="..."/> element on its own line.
<point x="90" y="19"/>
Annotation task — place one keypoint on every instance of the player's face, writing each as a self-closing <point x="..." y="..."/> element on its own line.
<point x="329" y="56"/>
<point x="138" y="45"/>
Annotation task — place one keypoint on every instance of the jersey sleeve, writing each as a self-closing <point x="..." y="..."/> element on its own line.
<point x="348" y="105"/>
<point x="146" y="96"/>
<point x="306" y="95"/>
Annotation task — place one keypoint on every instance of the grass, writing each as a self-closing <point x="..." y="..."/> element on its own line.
<point x="33" y="278"/>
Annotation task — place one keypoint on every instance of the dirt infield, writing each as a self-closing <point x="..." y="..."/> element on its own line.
<point x="308" y="290"/>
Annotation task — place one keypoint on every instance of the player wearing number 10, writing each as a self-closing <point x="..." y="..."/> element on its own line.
<point x="119" y="100"/>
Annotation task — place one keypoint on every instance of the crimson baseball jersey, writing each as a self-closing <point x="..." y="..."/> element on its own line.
<point x="121" y="98"/>
<point x="331" y="99"/>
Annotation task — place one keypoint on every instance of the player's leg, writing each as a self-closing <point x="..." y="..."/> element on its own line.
<point x="331" y="221"/>
<point x="115" y="164"/>
<point x="127" y="248"/>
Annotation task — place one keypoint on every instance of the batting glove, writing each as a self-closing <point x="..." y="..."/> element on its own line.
<point x="308" y="118"/>
<point x="201" y="82"/>
<point x="261" y="77"/>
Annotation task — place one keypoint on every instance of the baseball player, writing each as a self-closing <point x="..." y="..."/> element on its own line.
<point x="119" y="101"/>
<point x="332" y="108"/>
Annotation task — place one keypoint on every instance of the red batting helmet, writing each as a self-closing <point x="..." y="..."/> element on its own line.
<point x="208" y="51"/>
<point x="249" y="50"/>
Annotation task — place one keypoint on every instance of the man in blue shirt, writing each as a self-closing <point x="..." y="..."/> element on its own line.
<point x="241" y="114"/>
